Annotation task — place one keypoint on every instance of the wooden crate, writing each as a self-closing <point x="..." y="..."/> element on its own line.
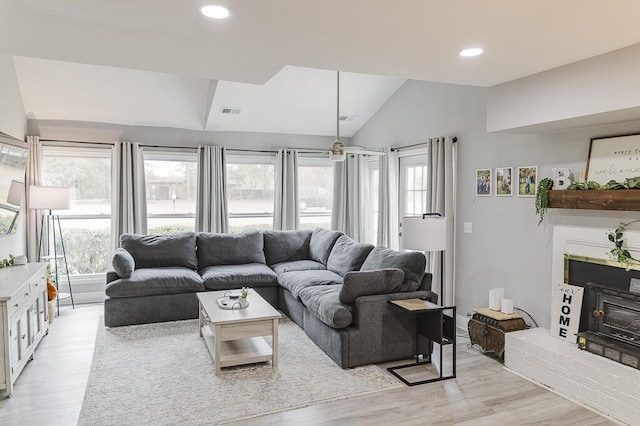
<point x="487" y="329"/>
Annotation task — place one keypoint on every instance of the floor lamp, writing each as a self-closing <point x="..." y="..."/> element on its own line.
<point x="16" y="192"/>
<point x="427" y="233"/>
<point x="52" y="198"/>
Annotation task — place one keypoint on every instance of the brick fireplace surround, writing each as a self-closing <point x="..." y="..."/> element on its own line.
<point x="607" y="387"/>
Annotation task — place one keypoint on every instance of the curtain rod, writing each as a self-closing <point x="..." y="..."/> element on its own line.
<point x="82" y="142"/>
<point x="300" y="150"/>
<point x="454" y="140"/>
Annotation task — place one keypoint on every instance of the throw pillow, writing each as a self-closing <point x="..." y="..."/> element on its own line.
<point x="366" y="283"/>
<point x="162" y="251"/>
<point x="322" y="241"/>
<point x="412" y="263"/>
<point x="229" y="249"/>
<point x="347" y="255"/>
<point x="123" y="263"/>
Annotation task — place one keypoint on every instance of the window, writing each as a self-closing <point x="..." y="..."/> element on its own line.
<point x="315" y="192"/>
<point x="86" y="226"/>
<point x="413" y="184"/>
<point x="250" y="188"/>
<point x="171" y="187"/>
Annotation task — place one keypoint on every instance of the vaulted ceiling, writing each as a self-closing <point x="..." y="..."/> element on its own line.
<point x="161" y="63"/>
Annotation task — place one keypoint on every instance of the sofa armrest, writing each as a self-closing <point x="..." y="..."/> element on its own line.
<point x="382" y="331"/>
<point x="363" y="283"/>
<point x="112" y="275"/>
<point x="367" y="307"/>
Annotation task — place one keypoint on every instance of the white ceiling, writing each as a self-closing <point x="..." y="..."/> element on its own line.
<point x="159" y="62"/>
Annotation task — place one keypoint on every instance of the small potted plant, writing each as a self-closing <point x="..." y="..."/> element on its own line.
<point x="242" y="299"/>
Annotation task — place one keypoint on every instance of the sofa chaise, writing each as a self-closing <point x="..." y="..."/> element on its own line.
<point x="336" y="289"/>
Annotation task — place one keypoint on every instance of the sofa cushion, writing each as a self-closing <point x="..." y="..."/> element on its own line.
<point x="324" y="303"/>
<point x="158" y="251"/>
<point x="284" y="246"/>
<point x="347" y="255"/>
<point x="229" y="249"/>
<point x="322" y="241"/>
<point x="366" y="283"/>
<point x="297" y="265"/>
<point x="155" y="281"/>
<point x="123" y="263"/>
<point x="223" y="277"/>
<point x="412" y="263"/>
<point x="298" y="280"/>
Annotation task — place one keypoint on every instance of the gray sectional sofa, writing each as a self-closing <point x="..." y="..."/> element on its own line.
<point x="335" y="289"/>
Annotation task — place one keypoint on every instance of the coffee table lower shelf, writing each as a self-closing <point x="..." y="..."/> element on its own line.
<point x="238" y="352"/>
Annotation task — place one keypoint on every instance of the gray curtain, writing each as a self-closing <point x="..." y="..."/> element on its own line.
<point x="211" y="202"/>
<point x="34" y="217"/>
<point x="441" y="198"/>
<point x="350" y="196"/>
<point x="388" y="200"/>
<point x="285" y="213"/>
<point x="128" y="200"/>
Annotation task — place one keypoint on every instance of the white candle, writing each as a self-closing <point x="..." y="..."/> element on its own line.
<point x="507" y="306"/>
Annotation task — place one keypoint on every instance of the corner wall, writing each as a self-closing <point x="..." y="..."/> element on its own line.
<point x="507" y="248"/>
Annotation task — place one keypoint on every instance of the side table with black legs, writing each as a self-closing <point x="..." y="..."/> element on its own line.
<point x="438" y="326"/>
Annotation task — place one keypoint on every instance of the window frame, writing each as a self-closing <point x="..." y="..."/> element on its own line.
<point x="171" y="154"/>
<point x="243" y="158"/>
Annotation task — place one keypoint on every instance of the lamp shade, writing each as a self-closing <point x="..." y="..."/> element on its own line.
<point x="49" y="197"/>
<point x="16" y="191"/>
<point x="425" y="234"/>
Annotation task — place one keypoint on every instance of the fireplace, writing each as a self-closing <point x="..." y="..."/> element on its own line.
<point x="610" y="318"/>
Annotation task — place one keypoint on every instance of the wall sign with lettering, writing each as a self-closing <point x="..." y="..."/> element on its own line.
<point x="565" y="311"/>
<point x="614" y="158"/>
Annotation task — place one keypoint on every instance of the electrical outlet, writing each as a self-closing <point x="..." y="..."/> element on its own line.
<point x="468" y="227"/>
<point x="634" y="287"/>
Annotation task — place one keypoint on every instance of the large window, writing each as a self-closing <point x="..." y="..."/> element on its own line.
<point x="86" y="226"/>
<point x="315" y="192"/>
<point x="171" y="188"/>
<point x="250" y="188"/>
<point x="413" y="184"/>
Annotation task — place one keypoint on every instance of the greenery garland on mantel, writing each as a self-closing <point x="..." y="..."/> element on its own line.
<point x="618" y="252"/>
<point x="546" y="184"/>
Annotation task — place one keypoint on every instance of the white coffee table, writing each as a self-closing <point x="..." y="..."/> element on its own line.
<point x="236" y="337"/>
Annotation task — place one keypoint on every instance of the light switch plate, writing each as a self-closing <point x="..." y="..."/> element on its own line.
<point x="634" y="287"/>
<point x="468" y="227"/>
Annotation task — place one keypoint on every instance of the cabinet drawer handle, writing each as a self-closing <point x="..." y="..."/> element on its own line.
<point x="36" y="284"/>
<point x="23" y="336"/>
<point x="15" y="305"/>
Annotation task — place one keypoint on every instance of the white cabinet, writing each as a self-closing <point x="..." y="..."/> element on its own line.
<point x="23" y="318"/>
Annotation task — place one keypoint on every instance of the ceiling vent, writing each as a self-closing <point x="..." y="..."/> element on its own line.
<point x="230" y="110"/>
<point x="347" y="117"/>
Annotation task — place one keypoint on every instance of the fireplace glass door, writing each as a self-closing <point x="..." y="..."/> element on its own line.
<point x="619" y="318"/>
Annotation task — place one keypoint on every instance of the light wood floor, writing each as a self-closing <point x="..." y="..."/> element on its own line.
<point x="51" y="388"/>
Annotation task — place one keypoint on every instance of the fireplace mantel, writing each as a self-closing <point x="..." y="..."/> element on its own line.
<point x="617" y="199"/>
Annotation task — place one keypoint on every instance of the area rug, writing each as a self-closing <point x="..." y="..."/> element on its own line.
<point x="162" y="374"/>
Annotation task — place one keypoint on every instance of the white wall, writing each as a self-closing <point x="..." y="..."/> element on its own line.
<point x="12" y="122"/>
<point x="602" y="89"/>
<point x="507" y="248"/>
<point x="164" y="136"/>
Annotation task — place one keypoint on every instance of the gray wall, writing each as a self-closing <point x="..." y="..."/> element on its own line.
<point x="507" y="248"/>
<point x="12" y="122"/>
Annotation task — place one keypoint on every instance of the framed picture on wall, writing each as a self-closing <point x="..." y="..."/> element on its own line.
<point x="614" y="158"/>
<point x="483" y="182"/>
<point x="504" y="178"/>
<point x="527" y="181"/>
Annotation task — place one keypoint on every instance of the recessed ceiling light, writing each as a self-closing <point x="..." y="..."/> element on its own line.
<point x="474" y="51"/>
<point x="215" y="12"/>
